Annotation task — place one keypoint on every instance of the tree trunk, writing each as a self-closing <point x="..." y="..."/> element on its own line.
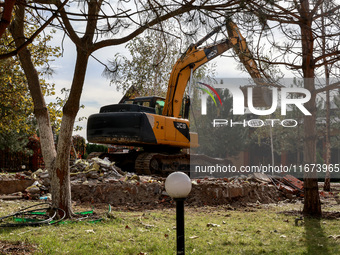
<point x="60" y="179"/>
<point x="312" y="205"/>
<point x="60" y="184"/>
<point x="327" y="183"/>
<point x="40" y="110"/>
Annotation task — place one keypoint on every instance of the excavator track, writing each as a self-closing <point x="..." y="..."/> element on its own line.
<point x="143" y="163"/>
<point x="162" y="163"/>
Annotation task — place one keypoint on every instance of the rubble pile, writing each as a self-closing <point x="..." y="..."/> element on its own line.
<point x="229" y="190"/>
<point x="100" y="181"/>
<point x="146" y="190"/>
<point x="36" y="191"/>
<point x="94" y="171"/>
<point x="35" y="185"/>
<point x="42" y="176"/>
<point x="128" y="190"/>
<point x="13" y="183"/>
<point x="83" y="171"/>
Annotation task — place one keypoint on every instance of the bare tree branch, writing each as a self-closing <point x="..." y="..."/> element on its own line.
<point x="328" y="88"/>
<point x="35" y="34"/>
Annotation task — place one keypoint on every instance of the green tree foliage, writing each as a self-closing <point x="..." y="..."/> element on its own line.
<point x="91" y="147"/>
<point x="148" y="68"/>
<point x="15" y="110"/>
<point x="16" y="106"/>
<point x="79" y="146"/>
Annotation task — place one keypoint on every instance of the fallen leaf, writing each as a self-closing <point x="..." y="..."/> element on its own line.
<point x="148" y="226"/>
<point x="212" y="225"/>
<point x="334" y="236"/>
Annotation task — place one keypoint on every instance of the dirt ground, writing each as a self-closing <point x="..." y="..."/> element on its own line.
<point x="17" y="248"/>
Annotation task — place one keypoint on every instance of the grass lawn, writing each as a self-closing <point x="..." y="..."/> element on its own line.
<point x="256" y="229"/>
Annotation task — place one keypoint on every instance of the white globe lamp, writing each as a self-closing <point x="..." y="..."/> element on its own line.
<point x="178" y="185"/>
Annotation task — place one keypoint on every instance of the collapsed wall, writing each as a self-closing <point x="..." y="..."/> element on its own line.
<point x="152" y="192"/>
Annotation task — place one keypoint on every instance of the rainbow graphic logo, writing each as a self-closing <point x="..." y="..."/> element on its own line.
<point x="209" y="93"/>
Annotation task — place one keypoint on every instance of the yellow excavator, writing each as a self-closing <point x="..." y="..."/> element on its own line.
<point x="161" y="126"/>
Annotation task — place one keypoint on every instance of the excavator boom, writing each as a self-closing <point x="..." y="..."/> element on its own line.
<point x="182" y="71"/>
<point x="195" y="57"/>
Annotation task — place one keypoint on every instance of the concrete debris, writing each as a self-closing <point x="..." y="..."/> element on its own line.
<point x="261" y="177"/>
<point x="94" y="171"/>
<point x="42" y="176"/>
<point x="35" y="185"/>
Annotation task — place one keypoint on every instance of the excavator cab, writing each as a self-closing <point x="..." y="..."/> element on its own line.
<point x="154" y="102"/>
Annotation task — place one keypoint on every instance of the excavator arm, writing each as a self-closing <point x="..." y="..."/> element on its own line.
<point x="182" y="70"/>
<point x="194" y="57"/>
<point x="241" y="49"/>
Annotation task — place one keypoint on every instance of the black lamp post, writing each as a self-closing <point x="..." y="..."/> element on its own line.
<point x="178" y="186"/>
